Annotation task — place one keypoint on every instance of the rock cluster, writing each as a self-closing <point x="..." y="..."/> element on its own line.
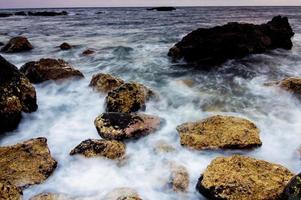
<point x="16" y="45"/>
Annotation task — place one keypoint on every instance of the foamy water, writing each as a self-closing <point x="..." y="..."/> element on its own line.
<point x="133" y="44"/>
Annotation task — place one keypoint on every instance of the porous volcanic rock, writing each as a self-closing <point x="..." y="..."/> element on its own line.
<point x="105" y="82"/>
<point x="292" y="84"/>
<point x="9" y="191"/>
<point x="122" y="194"/>
<point x="16" y="45"/>
<point x="292" y="190"/>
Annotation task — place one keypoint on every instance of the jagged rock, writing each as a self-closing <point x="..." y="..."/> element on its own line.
<point x="17" y="95"/>
<point x="9" y="191"/>
<point x="21" y="13"/>
<point x="122" y="194"/>
<point x="292" y="190"/>
<point x="163" y="147"/>
<point x="111" y="149"/>
<point x="240" y="177"/>
<point x="225" y="132"/>
<point x="49" y="69"/>
<point x="51" y="196"/>
<point x="162" y="8"/>
<point x="88" y="52"/>
<point x="47" y="13"/>
<point x="5" y="14"/>
<point x="120" y="126"/>
<point x="129" y="97"/>
<point x="16" y="45"/>
<point x="213" y="46"/>
<point x="65" y="46"/>
<point x="26" y="163"/>
<point x="179" y="178"/>
<point x="105" y="82"/>
<point x="293" y="85"/>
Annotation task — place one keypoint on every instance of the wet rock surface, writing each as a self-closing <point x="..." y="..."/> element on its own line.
<point x="5" y="14"/>
<point x="88" y="52"/>
<point x="111" y="149"/>
<point x="65" y="46"/>
<point x="213" y="46"/>
<point x="16" y="45"/>
<point x="179" y="178"/>
<point x="9" y="191"/>
<point x="163" y="147"/>
<point x="122" y="194"/>
<point x="105" y="82"/>
<point x="17" y="95"/>
<point x="129" y="97"/>
<point x="293" y="85"/>
<point x="293" y="189"/>
<point x="225" y="132"/>
<point x="51" y="196"/>
<point x="162" y="8"/>
<point x="49" y="69"/>
<point x="26" y="163"/>
<point x="240" y="177"/>
<point x="47" y="13"/>
<point x="121" y="126"/>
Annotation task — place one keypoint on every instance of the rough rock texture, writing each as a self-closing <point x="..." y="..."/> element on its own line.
<point x="51" y="196"/>
<point x="9" y="191"/>
<point x="129" y="97"/>
<point x="111" y="149"/>
<point x="49" y="69"/>
<point x="88" y="52"/>
<point x="293" y="85"/>
<point x="105" y="82"/>
<point x="179" y="178"/>
<point x="293" y="189"/>
<point x="17" y="44"/>
<point x="239" y="177"/>
<point x="120" y="126"/>
<point x="65" y="46"/>
<point x="17" y="95"/>
<point x="47" y="13"/>
<point x="213" y="46"/>
<point x="122" y="194"/>
<point x="223" y="132"/>
<point x="26" y="163"/>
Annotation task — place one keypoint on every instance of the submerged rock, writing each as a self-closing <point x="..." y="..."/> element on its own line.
<point x="293" y="85"/>
<point x="26" y="163"/>
<point x="163" y="147"/>
<point x="49" y="69"/>
<point x="292" y="190"/>
<point x="51" y="196"/>
<point x="9" y="191"/>
<point x="111" y="149"/>
<point x="120" y="126"/>
<point x="223" y="132"/>
<point x="129" y="97"/>
<point x="16" y="45"/>
<point x="65" y="46"/>
<point x="179" y="178"/>
<point x="17" y="95"/>
<point x="105" y="82"/>
<point x="162" y="8"/>
<point x="213" y="46"/>
<point x="240" y="177"/>
<point x="122" y="194"/>
<point x="47" y="13"/>
<point x="88" y="52"/>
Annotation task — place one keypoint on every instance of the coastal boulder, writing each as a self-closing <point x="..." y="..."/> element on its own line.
<point x="293" y="189"/>
<point x="179" y="178"/>
<point x="49" y="69"/>
<point x="16" y="45"/>
<point x="292" y="85"/>
<point x="240" y="177"/>
<point x="129" y="97"/>
<point x="122" y="194"/>
<point x="51" y="196"/>
<point x="111" y="149"/>
<point x="47" y="13"/>
<point x="105" y="82"/>
<point x="65" y="46"/>
<point x="213" y="46"/>
<point x="17" y="95"/>
<point x="5" y="14"/>
<point x="26" y="163"/>
<point x="120" y="126"/>
<point x="224" y="132"/>
<point x="9" y="191"/>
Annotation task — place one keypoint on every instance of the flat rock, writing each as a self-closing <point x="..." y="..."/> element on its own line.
<point x="51" y="196"/>
<point x="292" y="84"/>
<point x="207" y="47"/>
<point x="9" y="191"/>
<point x="26" y="163"/>
<point x="65" y="46"/>
<point x="105" y="82"/>
<point x="122" y="194"/>
<point x="17" y="95"/>
<point x="16" y="45"/>
<point x="49" y="69"/>
<point x="292" y="190"/>
<point x="120" y="126"/>
<point x="179" y="178"/>
<point x="129" y="97"/>
<point x="240" y="177"/>
<point x="111" y="149"/>
<point x="224" y="132"/>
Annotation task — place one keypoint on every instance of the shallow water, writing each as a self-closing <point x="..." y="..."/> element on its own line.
<point x="132" y="44"/>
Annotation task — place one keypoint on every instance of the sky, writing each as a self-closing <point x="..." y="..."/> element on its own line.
<point x="107" y="3"/>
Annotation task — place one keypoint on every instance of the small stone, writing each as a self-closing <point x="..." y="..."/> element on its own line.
<point x="88" y="52"/>
<point x="51" y="196"/>
<point x="122" y="194"/>
<point x="9" y="191"/>
<point x="179" y="178"/>
<point x="163" y="147"/>
<point x="105" y="82"/>
<point x="65" y="46"/>
<point x="17" y="44"/>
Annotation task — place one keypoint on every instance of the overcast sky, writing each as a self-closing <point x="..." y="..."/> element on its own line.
<point x="100" y="3"/>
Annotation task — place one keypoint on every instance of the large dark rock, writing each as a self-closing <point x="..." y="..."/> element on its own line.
<point x="5" y="14"/>
<point x="16" y="45"/>
<point x="65" y="46"/>
<point x="162" y="8"/>
<point x="213" y="46"/>
<point x="293" y="189"/>
<point x="17" y="95"/>
<point x="47" y="13"/>
<point x="49" y="69"/>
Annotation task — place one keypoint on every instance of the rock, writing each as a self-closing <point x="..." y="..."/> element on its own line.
<point x="292" y="190"/>
<point x="111" y="149"/>
<point x="47" y="13"/>
<point x="129" y="97"/>
<point x="65" y="46"/>
<point x="88" y="52"/>
<point x="26" y="163"/>
<point x="223" y="132"/>
<point x="207" y="47"/>
<point x="49" y="69"/>
<point x="179" y="178"/>
<point x="51" y="196"/>
<point x="21" y="13"/>
<point x="120" y="126"/>
<point x="17" y="95"/>
<point x="162" y="8"/>
<point x="239" y="177"/>
<point x="293" y="85"/>
<point x="5" y="14"/>
<point x="122" y="194"/>
<point x="1" y="43"/>
<point x="9" y="191"/>
<point x="187" y="82"/>
<point x="16" y="45"/>
<point x="163" y="147"/>
<point x="105" y="82"/>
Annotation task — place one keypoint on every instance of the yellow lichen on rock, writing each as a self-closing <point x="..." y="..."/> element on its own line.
<point x="9" y="191"/>
<point x="105" y="82"/>
<point x="292" y="84"/>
